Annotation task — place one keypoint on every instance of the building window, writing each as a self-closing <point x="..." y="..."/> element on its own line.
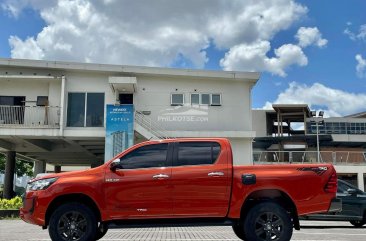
<point x="85" y="110"/>
<point x="177" y="99"/>
<point x="216" y="99"/>
<point x="95" y="110"/>
<point x="205" y="99"/>
<point x="195" y="99"/>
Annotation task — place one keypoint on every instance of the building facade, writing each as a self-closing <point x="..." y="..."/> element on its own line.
<point x="54" y="112"/>
<point x="291" y="133"/>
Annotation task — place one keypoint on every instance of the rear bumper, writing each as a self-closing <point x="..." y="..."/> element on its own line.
<point x="335" y="205"/>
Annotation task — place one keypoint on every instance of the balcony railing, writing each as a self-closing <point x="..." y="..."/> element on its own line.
<point x="30" y="116"/>
<point x="335" y="157"/>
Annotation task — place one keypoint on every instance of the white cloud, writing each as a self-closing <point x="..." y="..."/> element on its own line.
<point x="252" y="57"/>
<point x="361" y="66"/>
<point x="145" y="33"/>
<point x="310" y="36"/>
<point x="361" y="35"/>
<point x="27" y="47"/>
<point x="333" y="101"/>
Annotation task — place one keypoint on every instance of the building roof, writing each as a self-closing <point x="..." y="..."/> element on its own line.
<point x="357" y="115"/>
<point x="136" y="70"/>
<point x="293" y="108"/>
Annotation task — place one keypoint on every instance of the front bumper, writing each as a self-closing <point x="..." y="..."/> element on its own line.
<point x="335" y="205"/>
<point x="32" y="211"/>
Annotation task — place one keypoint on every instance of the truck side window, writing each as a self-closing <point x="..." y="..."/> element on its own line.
<point x="197" y="153"/>
<point x="146" y="156"/>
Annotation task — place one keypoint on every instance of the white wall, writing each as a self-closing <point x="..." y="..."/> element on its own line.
<point x="242" y="151"/>
<point x="259" y="120"/>
<point x="31" y="89"/>
<point x="153" y="94"/>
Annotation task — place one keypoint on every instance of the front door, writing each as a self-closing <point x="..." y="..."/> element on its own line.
<point x="201" y="180"/>
<point x="141" y="186"/>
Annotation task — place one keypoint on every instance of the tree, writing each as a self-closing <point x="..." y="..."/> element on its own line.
<point x="22" y="167"/>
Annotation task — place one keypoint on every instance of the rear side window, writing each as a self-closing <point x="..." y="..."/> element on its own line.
<point x="197" y="153"/>
<point x="146" y="156"/>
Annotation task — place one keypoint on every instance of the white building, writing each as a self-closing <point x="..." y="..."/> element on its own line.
<point x="54" y="112"/>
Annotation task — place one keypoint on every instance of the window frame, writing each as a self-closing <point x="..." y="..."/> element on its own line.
<point x="168" y="160"/>
<point x="177" y="104"/>
<point x="209" y="99"/>
<point x="199" y="99"/>
<point x="220" y="95"/>
<point x="85" y="109"/>
<point x="175" y="160"/>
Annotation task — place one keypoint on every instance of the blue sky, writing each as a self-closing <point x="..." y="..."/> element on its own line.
<point x="321" y="72"/>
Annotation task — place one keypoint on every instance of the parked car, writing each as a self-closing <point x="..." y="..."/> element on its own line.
<point x="180" y="181"/>
<point x="353" y="206"/>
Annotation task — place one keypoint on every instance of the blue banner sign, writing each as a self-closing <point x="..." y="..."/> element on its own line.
<point x="119" y="129"/>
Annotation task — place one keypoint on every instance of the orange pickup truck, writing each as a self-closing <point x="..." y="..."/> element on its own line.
<point x="180" y="182"/>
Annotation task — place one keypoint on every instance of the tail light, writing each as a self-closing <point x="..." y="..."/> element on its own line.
<point x="332" y="184"/>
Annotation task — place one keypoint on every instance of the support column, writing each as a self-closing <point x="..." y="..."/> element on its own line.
<point x="360" y="180"/>
<point x="9" y="175"/>
<point x="57" y="168"/>
<point x="39" y="167"/>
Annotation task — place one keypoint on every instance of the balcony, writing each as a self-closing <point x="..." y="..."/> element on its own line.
<point x="334" y="157"/>
<point x="29" y="116"/>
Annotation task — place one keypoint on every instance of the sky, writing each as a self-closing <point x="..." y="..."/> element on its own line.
<point x="308" y="51"/>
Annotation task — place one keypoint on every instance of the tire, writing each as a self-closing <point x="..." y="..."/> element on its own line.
<point x="101" y="231"/>
<point x="239" y="230"/>
<point x="358" y="224"/>
<point x="73" y="221"/>
<point x="268" y="221"/>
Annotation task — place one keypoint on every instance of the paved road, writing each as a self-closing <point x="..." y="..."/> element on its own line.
<point x="15" y="230"/>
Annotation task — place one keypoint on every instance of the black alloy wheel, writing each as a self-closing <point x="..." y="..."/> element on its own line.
<point x="268" y="221"/>
<point x="73" y="222"/>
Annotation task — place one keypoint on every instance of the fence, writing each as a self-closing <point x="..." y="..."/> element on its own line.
<point x="30" y="116"/>
<point x="340" y="157"/>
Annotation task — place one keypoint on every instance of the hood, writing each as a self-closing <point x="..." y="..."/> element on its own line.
<point x="71" y="174"/>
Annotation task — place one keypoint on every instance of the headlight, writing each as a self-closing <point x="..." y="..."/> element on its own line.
<point x="40" y="184"/>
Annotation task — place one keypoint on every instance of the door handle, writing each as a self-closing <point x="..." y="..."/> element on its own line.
<point x="215" y="174"/>
<point x="160" y="176"/>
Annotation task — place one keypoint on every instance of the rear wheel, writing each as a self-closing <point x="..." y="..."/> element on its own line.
<point x="239" y="230"/>
<point x="358" y="224"/>
<point x="268" y="221"/>
<point x="73" y="222"/>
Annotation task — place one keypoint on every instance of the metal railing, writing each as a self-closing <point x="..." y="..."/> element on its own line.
<point x="335" y="157"/>
<point x="151" y="126"/>
<point x="30" y="116"/>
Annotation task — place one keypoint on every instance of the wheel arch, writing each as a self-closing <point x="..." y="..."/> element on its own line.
<point x="72" y="198"/>
<point x="274" y="195"/>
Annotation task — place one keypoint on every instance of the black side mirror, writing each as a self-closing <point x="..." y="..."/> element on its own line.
<point x="352" y="191"/>
<point x="116" y="164"/>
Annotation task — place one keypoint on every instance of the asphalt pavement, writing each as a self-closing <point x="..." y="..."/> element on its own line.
<point x="16" y="230"/>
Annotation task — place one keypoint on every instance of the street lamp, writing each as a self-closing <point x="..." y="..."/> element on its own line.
<point x="317" y="120"/>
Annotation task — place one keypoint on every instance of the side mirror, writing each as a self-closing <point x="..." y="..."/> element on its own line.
<point x="116" y="164"/>
<point x="352" y="191"/>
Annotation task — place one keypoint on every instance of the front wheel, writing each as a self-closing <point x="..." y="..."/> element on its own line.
<point x="101" y="231"/>
<point x="268" y="221"/>
<point x="73" y="222"/>
<point x="358" y="224"/>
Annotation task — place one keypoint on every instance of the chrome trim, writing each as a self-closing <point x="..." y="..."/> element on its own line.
<point x="215" y="174"/>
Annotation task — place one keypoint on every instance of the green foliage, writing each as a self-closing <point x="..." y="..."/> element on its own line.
<point x="22" y="167"/>
<point x="14" y="203"/>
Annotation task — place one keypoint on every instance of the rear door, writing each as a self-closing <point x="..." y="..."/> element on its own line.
<point x="201" y="179"/>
